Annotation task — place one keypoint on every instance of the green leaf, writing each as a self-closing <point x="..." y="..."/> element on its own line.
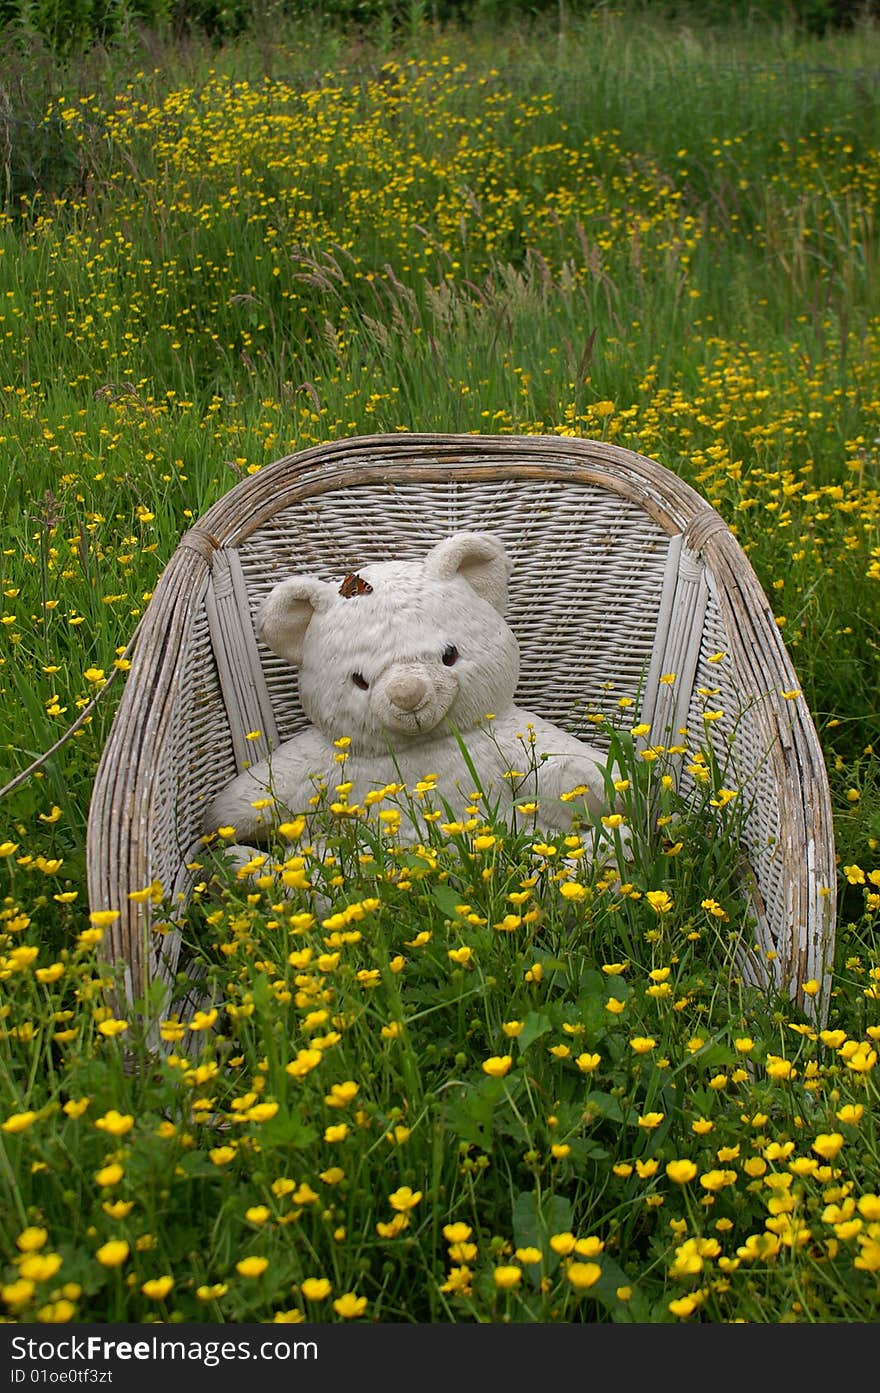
<point x="285" y="1129"/>
<point x="592" y="984"/>
<point x="605" y="1291"/>
<point x="605" y="1105"/>
<point x="535" y="1025"/>
<point x="196" y="1166"/>
<point x="535" y="1220"/>
<point x="583" y="1149"/>
<point x="470" y="1116"/>
<point x="446" y="898"/>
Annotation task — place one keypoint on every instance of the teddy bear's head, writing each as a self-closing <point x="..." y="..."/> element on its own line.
<point x="403" y="648"/>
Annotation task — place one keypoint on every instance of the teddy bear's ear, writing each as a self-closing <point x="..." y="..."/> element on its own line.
<point x="479" y="558"/>
<point x="285" y="614"/>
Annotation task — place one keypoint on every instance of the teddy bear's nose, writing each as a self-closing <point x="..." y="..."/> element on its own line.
<point x="407" y="691"/>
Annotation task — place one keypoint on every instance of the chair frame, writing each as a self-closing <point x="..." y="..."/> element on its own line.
<point x="196" y="652"/>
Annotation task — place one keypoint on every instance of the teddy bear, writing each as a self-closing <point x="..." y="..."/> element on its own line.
<point x="410" y="668"/>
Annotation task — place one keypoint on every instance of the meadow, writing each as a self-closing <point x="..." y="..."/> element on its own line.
<point x="477" y="1089"/>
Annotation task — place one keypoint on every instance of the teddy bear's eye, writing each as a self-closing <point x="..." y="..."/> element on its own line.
<point x="360" y="681"/>
<point x="450" y="655"/>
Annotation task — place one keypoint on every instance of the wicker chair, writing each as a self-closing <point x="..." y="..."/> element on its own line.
<point x="621" y="573"/>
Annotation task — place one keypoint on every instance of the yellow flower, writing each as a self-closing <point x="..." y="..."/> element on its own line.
<point x="572" y="890"/>
<point x="869" y="1208"/>
<point x="332" y="1176"/>
<point x="261" y="1112"/>
<point x="157" y="1288"/>
<point x="17" y="1294"/>
<point x="642" y="1044"/>
<point x="498" y="1065"/>
<point x="659" y="900"/>
<point x="101" y="918"/>
<point x="650" y="1120"/>
<point x="862" y="1059"/>
<point x="30" y="1240"/>
<point x="457" y="1233"/>
<point x="851" y="1113"/>
<point x="39" y="1267"/>
<point x="304" y="1194"/>
<point x="684" y="1306"/>
<point x="507" y="1277"/>
<point x="117" y="1124"/>
<point x="112" y="1027"/>
<point x="404" y="1199"/>
<point x="681" y="1172"/>
<point x="291" y="831"/>
<point x="118" y="1209"/>
<point x="341" y="1094"/>
<point x="203" y="1020"/>
<point x="252" y="1266"/>
<point x="587" y="1063"/>
<point x="109" y="1175"/>
<point x="717" y="1179"/>
<point x="113" y="1253"/>
<point x="461" y="955"/>
<point x="315" y="1288"/>
<point x="337" y="1133"/>
<point x="305" y="1061"/>
<point x="56" y="1312"/>
<point x="583" y="1275"/>
<point x="779" y="1068"/>
<point x="868" y="1259"/>
<point x="212" y="1293"/>
<point x="47" y="975"/>
<point x="18" y="1122"/>
<point x="589" y="1247"/>
<point x="222" y="1155"/>
<point x="529" y="1256"/>
<point x="172" y="1031"/>
<point x="350" y="1306"/>
<point x="827" y="1145"/>
<point x="258" y="1214"/>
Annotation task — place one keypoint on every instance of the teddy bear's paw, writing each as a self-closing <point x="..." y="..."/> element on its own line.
<point x="233" y="863"/>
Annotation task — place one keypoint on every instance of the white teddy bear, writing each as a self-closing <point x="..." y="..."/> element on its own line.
<point x="409" y="660"/>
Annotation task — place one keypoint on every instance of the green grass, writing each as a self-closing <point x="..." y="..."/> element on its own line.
<point x="662" y="236"/>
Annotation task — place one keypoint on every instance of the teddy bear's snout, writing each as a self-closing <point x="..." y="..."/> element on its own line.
<point x="407" y="690"/>
<point x="412" y="698"/>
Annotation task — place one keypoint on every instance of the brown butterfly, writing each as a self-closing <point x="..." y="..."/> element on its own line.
<point x="354" y="585"/>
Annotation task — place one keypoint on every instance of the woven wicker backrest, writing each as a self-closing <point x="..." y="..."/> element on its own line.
<point x="621" y="574"/>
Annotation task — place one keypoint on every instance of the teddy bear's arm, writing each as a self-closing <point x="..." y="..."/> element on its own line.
<point x="288" y="779"/>
<point x="233" y="806"/>
<point x="552" y="763"/>
<point x="577" y="774"/>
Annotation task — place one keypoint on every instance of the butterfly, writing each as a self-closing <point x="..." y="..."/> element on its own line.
<point x="354" y="585"/>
